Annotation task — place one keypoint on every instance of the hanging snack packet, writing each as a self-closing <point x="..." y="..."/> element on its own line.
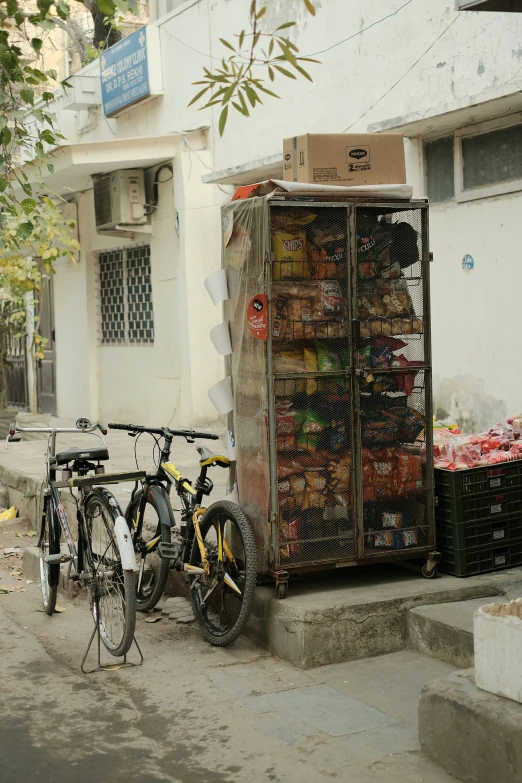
<point x="327" y="360"/>
<point x="289" y="246"/>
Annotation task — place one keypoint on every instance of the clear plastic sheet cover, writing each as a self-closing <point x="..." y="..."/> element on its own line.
<point x="244" y="261"/>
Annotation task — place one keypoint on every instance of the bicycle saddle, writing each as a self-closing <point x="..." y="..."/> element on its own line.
<point x="98" y="453"/>
<point x="208" y="458"/>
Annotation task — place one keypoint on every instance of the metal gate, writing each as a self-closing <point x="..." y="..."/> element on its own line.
<point x="16" y="354"/>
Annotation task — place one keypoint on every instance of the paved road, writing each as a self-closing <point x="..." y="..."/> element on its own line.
<point x="196" y="714"/>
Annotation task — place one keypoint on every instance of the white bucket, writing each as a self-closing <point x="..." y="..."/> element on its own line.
<point x="216" y="285"/>
<point x="220" y="336"/>
<point x="497" y="632"/>
<point x="221" y="396"/>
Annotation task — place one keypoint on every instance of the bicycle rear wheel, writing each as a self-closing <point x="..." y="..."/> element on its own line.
<point x="112" y="590"/>
<point x="222" y="598"/>
<point x="49" y="544"/>
<point x="154" y="570"/>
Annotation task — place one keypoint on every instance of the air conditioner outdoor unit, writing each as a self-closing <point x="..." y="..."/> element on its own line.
<point x="119" y="199"/>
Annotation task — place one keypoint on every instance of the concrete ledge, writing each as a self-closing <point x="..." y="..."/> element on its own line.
<point x="472" y="734"/>
<point x="358" y="614"/>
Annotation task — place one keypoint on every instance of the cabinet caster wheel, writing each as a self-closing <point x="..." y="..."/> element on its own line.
<point x="429" y="573"/>
<point x="282" y="590"/>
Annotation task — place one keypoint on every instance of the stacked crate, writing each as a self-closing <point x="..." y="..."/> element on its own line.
<point x="478" y="516"/>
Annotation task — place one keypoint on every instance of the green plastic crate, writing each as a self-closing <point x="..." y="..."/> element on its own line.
<point x="474" y="534"/>
<point x="488" y="505"/>
<point x="468" y="562"/>
<point x="474" y="481"/>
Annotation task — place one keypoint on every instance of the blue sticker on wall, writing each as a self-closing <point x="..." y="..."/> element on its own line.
<point x="468" y="263"/>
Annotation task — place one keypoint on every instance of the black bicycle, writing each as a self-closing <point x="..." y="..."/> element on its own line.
<point x="103" y="559"/>
<point x="215" y="546"/>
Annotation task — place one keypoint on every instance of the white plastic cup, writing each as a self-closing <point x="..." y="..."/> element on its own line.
<point x="221" y="396"/>
<point x="216" y="285"/>
<point x="220" y="336"/>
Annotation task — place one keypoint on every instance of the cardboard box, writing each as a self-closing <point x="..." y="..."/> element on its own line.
<point x="345" y="159"/>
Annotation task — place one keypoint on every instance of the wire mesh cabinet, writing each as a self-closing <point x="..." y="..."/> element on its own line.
<point x="332" y="411"/>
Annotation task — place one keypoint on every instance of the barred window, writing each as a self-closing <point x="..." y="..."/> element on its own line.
<point x="125" y="290"/>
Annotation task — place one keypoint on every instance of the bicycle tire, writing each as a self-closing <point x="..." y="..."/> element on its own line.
<point x="49" y="544"/>
<point x="226" y="510"/>
<point x="118" y="585"/>
<point x="145" y="601"/>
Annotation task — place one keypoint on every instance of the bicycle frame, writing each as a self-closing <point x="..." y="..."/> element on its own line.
<point x="191" y="498"/>
<point x="52" y="494"/>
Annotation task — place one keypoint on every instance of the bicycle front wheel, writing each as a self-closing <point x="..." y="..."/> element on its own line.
<point x="222" y="598"/>
<point x="49" y="544"/>
<point x="112" y="590"/>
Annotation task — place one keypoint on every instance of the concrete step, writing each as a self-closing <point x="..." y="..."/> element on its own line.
<point x="472" y="734"/>
<point x="445" y="631"/>
<point x="357" y="613"/>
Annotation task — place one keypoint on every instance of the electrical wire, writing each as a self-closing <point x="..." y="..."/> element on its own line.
<point x="312" y="54"/>
<point x="360" y="32"/>
<point x="404" y="74"/>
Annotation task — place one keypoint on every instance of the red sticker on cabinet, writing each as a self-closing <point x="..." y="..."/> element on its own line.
<point x="257" y="316"/>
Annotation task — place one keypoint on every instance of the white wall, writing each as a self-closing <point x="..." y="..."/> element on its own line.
<point x="167" y="382"/>
<point x="423" y="60"/>
<point x="476" y="321"/>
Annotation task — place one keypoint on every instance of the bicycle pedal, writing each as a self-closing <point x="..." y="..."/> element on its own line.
<point x="57" y="559"/>
<point x="167" y="550"/>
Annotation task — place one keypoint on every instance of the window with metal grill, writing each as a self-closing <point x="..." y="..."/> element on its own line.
<point x="125" y="291"/>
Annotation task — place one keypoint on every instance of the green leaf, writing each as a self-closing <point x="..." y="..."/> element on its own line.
<point x="268" y="92"/>
<point x="28" y="205"/>
<point x="243" y="104"/>
<point x="37" y="44"/>
<point x="303" y="72"/>
<point x="241" y="38"/>
<point x="261" y="13"/>
<point x="271" y="73"/>
<point x="198" y="95"/>
<point x="284" y="26"/>
<point x="6" y="136"/>
<point x="239" y="108"/>
<point x="62" y="9"/>
<point x="252" y="7"/>
<point x="3" y="184"/>
<point x="227" y="44"/>
<point x="282" y="70"/>
<point x="27" y="96"/>
<point x="227" y="95"/>
<point x="3" y="121"/>
<point x="52" y="74"/>
<point x="310" y="7"/>
<point x="223" y="120"/>
<point x="107" y="7"/>
<point x="24" y="230"/>
<point x="252" y="96"/>
<point x="50" y="168"/>
<point x="47" y="96"/>
<point x="286" y="53"/>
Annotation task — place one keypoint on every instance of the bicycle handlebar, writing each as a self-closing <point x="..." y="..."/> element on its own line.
<point x="14" y="428"/>
<point x="163" y="431"/>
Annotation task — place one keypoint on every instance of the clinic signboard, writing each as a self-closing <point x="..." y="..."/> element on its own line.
<point x="124" y="73"/>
